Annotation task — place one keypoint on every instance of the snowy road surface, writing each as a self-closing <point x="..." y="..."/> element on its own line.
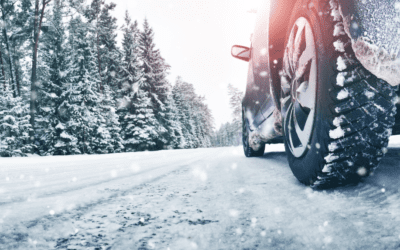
<point x="191" y="199"/>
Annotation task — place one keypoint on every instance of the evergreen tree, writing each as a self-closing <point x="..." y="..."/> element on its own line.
<point x="107" y="138"/>
<point x="108" y="55"/>
<point x="131" y="73"/>
<point x="14" y="126"/>
<point x="155" y="82"/>
<point x="130" y="79"/>
<point x="235" y="102"/>
<point x="86" y="95"/>
<point x="174" y="136"/>
<point x="141" y="133"/>
<point x="205" y="123"/>
<point x="53" y="74"/>
<point x="184" y="111"/>
<point x="108" y="45"/>
<point x="194" y="115"/>
<point x="79" y="111"/>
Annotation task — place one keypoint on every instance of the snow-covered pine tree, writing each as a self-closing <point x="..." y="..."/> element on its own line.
<point x="235" y="102"/>
<point x="102" y="36"/>
<point x="107" y="53"/>
<point x="107" y="137"/>
<point x="3" y="86"/>
<point x="155" y="69"/>
<point x="130" y="78"/>
<point x="53" y="74"/>
<point x="79" y="112"/>
<point x="205" y="123"/>
<point x="174" y="136"/>
<point x="14" y="126"/>
<point x="194" y="115"/>
<point x="226" y="135"/>
<point x="108" y="46"/>
<point x="14" y="116"/>
<point x="131" y="75"/>
<point x="183" y="94"/>
<point x="141" y="133"/>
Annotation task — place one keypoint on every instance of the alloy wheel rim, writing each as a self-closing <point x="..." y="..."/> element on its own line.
<point x="300" y="64"/>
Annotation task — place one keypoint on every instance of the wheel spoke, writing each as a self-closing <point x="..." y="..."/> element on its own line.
<point x="300" y="60"/>
<point x="304" y="61"/>
<point x="299" y="45"/>
<point x="303" y="138"/>
<point x="308" y="53"/>
<point x="301" y="115"/>
<point x="306" y="95"/>
<point x="293" y="138"/>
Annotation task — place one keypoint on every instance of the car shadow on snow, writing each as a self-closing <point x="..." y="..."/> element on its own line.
<point x="386" y="176"/>
<point x="278" y="156"/>
<point x="383" y="183"/>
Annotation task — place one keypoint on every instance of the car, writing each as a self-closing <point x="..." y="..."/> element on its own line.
<point x="323" y="79"/>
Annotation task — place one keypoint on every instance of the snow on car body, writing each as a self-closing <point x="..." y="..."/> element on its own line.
<point x="320" y="80"/>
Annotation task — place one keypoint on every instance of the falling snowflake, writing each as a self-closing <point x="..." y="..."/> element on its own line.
<point x="234" y="213"/>
<point x="114" y="173"/>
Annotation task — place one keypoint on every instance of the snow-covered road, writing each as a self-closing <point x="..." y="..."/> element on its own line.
<point x="191" y="199"/>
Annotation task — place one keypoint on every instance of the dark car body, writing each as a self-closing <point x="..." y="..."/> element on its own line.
<point x="262" y="95"/>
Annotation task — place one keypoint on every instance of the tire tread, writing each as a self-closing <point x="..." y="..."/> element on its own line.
<point x="365" y="117"/>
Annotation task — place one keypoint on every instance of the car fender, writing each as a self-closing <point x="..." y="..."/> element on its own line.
<point x="374" y="28"/>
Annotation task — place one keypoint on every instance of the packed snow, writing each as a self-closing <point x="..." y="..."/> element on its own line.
<point x="191" y="199"/>
<point x="340" y="79"/>
<point x="341" y="64"/>
<point x="336" y="133"/>
<point x="339" y="46"/>
<point x="343" y="94"/>
<point x="339" y="30"/>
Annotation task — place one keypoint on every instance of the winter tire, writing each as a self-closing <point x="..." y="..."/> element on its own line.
<point x="337" y="115"/>
<point x="248" y="151"/>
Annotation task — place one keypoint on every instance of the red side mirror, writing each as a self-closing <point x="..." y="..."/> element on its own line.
<point x="241" y="52"/>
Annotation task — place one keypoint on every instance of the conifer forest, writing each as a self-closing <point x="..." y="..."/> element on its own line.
<point x="67" y="86"/>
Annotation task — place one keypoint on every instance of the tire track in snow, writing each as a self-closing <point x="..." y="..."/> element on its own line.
<point x="115" y="187"/>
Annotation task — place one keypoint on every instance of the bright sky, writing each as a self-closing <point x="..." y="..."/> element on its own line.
<point x="195" y="38"/>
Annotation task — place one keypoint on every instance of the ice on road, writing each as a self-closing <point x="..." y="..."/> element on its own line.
<point x="191" y="199"/>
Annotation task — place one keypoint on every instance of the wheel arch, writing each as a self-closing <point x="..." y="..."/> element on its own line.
<point x="280" y="12"/>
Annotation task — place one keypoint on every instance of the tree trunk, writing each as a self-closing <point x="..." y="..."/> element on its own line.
<point x="98" y="57"/>
<point x="8" y="50"/>
<point x="17" y="72"/>
<point x="2" y="70"/>
<point x="36" y="33"/>
<point x="34" y="63"/>
<point x="17" y="79"/>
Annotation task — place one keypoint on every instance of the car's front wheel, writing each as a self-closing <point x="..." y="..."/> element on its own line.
<point x="337" y="115"/>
